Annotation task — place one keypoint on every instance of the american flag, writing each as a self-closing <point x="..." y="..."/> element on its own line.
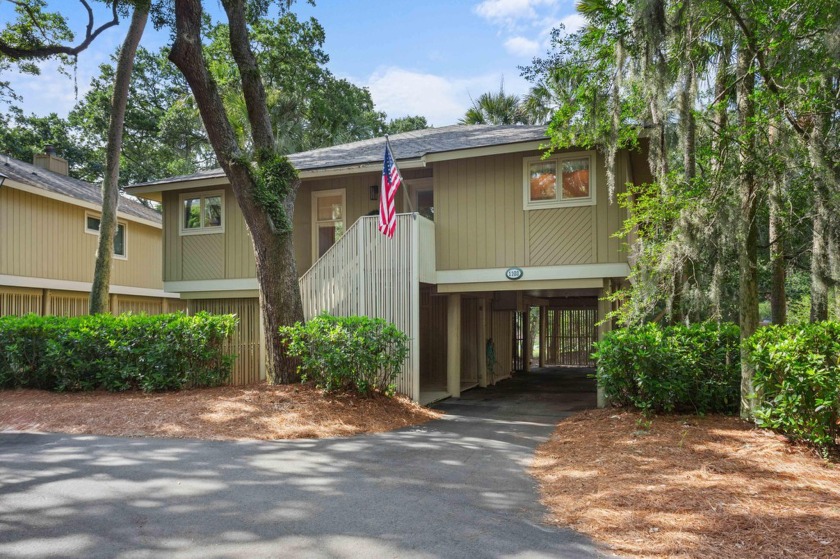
<point x="391" y="181"/>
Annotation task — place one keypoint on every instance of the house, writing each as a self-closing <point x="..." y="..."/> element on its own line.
<point x="49" y="228"/>
<point x="488" y="229"/>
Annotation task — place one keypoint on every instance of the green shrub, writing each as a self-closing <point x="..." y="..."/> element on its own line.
<point x="348" y="353"/>
<point x="692" y="368"/>
<point x="115" y="353"/>
<point x="798" y="380"/>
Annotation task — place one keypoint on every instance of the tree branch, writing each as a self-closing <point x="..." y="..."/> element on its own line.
<point x="762" y="66"/>
<point x="45" y="51"/>
<point x="249" y="73"/>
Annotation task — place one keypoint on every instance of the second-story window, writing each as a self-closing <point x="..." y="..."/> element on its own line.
<point x="563" y="180"/>
<point x="328" y="209"/>
<point x="202" y="213"/>
<point x="92" y="224"/>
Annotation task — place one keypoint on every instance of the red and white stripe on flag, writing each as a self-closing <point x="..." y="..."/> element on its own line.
<point x="391" y="181"/>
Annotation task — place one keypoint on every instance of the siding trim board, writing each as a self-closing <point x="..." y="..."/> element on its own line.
<point x="535" y="273"/>
<point x="235" y="284"/>
<point x="65" y="285"/>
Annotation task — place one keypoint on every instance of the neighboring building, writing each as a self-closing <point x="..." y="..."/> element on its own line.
<point x="500" y="230"/>
<point x="48" y="240"/>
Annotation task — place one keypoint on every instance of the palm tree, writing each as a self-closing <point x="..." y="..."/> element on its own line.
<point x="495" y="108"/>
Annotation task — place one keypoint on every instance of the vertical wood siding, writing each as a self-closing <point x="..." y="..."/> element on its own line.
<point x="367" y="274"/>
<point x="501" y="330"/>
<point x="20" y="301"/>
<point x="433" y="340"/>
<point x="67" y="303"/>
<point x="245" y="342"/>
<point x="45" y="238"/>
<point x="470" y="344"/>
<point x="138" y="305"/>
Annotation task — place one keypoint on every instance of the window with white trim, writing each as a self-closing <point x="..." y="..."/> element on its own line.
<point x="92" y="224"/>
<point x="202" y="212"/>
<point x="328" y="211"/>
<point x="562" y="180"/>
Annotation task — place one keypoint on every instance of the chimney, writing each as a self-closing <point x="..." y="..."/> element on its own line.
<point x="51" y="162"/>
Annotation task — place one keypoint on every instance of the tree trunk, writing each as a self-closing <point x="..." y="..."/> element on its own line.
<point x="269" y="226"/>
<point x="747" y="229"/>
<point x="822" y="181"/>
<point x="778" y="298"/>
<point x="110" y="183"/>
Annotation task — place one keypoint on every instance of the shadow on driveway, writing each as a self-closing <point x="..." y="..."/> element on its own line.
<point x="455" y="487"/>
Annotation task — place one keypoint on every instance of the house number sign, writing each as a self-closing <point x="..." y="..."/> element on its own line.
<point x="513" y="273"/>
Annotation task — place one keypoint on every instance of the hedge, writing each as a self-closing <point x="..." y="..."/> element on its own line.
<point x="354" y="353"/>
<point x="115" y="353"/>
<point x="798" y="380"/>
<point x="692" y="368"/>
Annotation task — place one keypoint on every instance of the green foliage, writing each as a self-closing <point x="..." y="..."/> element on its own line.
<point x="406" y="124"/>
<point x="679" y="368"/>
<point x="275" y="180"/>
<point x="163" y="136"/>
<point x="497" y="108"/>
<point x="125" y="352"/>
<point x="22" y="137"/>
<point x="309" y="107"/>
<point x="348" y="353"/>
<point x="798" y="379"/>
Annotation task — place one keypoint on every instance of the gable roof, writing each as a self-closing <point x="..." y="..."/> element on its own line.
<point x="56" y="183"/>
<point x="407" y="147"/>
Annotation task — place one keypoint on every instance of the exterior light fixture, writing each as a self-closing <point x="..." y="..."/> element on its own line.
<point x="374" y="191"/>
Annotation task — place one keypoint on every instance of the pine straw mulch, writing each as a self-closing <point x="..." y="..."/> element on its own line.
<point x="227" y="413"/>
<point x="689" y="487"/>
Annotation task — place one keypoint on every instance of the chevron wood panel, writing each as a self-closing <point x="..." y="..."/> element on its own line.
<point x="204" y="257"/>
<point x="561" y="236"/>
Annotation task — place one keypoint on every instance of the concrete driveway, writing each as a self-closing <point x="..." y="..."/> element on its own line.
<point x="456" y="487"/>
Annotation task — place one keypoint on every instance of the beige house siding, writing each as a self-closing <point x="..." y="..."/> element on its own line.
<point x="480" y="220"/>
<point x="226" y="255"/>
<point x="357" y="198"/>
<point x="45" y="238"/>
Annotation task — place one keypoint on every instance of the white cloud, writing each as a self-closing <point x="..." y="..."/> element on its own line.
<point x="508" y="12"/>
<point x="571" y="22"/>
<point x="442" y="100"/>
<point x="521" y="46"/>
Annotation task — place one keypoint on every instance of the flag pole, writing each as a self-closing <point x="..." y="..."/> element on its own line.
<point x="402" y="181"/>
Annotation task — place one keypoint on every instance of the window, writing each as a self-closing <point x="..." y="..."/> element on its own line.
<point x="92" y="226"/>
<point x="328" y="209"/>
<point x="423" y="197"/>
<point x="202" y="213"/>
<point x="562" y="180"/>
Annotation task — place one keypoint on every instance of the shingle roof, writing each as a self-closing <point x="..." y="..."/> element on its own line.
<point x="68" y="186"/>
<point x="406" y="146"/>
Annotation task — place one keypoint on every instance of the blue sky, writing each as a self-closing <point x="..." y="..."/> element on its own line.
<point x="416" y="57"/>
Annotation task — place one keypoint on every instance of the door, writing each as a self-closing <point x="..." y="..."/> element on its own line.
<point x="329" y="209"/>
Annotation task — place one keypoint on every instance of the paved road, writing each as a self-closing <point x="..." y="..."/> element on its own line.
<point x="456" y="487"/>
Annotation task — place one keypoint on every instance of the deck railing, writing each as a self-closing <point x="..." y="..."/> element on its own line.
<point x="365" y="273"/>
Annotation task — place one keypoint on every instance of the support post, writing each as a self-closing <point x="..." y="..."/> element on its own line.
<point x="453" y="345"/>
<point x="526" y="331"/>
<point x="263" y="353"/>
<point x="604" y="326"/>
<point x="481" y="340"/>
<point x="543" y="327"/>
